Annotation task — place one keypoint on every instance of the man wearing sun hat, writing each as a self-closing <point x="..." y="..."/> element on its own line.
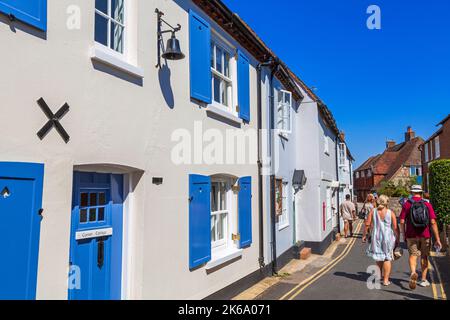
<point x="418" y="216"/>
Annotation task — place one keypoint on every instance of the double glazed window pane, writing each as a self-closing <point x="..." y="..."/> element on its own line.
<point x="218" y="224"/>
<point x="109" y="23"/>
<point x="101" y="29"/>
<point x="219" y="214"/>
<point x="218" y="196"/>
<point x="284" y="110"/>
<point x="221" y="90"/>
<point x="220" y="63"/>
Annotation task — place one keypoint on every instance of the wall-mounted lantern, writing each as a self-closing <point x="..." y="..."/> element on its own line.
<point x="173" y="50"/>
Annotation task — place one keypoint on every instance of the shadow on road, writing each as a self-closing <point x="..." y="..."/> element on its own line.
<point x="410" y="295"/>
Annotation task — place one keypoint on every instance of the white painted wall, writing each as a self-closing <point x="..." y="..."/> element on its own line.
<point x="116" y="121"/>
<point x="320" y="170"/>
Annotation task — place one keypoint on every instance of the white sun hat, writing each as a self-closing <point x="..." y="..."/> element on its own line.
<point x="416" y="189"/>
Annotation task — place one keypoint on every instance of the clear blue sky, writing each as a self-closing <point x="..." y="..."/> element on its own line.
<point x="376" y="82"/>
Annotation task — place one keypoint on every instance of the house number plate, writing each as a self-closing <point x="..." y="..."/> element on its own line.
<point x="89" y="234"/>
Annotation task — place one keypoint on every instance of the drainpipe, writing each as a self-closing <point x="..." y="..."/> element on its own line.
<point x="272" y="174"/>
<point x="260" y="176"/>
<point x="339" y="187"/>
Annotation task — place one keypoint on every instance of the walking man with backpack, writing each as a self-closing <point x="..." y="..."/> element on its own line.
<point x="418" y="217"/>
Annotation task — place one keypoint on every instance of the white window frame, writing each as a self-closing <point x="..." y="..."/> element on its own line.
<point x="286" y="111"/>
<point x="329" y="204"/>
<point x="426" y="154"/>
<point x="431" y="150"/>
<point x="108" y="16"/>
<point x="223" y="244"/>
<point x="363" y="174"/>
<point x="369" y="173"/>
<point x="283" y="218"/>
<point x="437" y="147"/>
<point x="326" y="145"/>
<point x="342" y="155"/>
<point x="231" y="108"/>
<point x="357" y="174"/>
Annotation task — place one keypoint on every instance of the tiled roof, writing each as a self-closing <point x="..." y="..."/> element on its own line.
<point x="368" y="163"/>
<point x="392" y="159"/>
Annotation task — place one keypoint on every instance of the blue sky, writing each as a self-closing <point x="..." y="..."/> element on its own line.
<point x="376" y="82"/>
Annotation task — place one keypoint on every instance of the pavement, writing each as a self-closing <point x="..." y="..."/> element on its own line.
<point x="344" y="272"/>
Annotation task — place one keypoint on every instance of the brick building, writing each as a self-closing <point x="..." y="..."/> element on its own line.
<point x="436" y="147"/>
<point x="398" y="162"/>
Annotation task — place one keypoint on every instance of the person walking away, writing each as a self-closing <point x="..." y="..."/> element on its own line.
<point x="348" y="214"/>
<point x="417" y="217"/>
<point x="368" y="206"/>
<point x="385" y="234"/>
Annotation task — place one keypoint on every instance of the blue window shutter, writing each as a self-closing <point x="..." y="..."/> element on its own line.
<point x="243" y="87"/>
<point x="199" y="220"/>
<point x="200" y="58"/>
<point x="245" y="212"/>
<point x="32" y="12"/>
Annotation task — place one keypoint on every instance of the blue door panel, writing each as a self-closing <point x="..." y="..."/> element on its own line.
<point x="20" y="201"/>
<point x="97" y="204"/>
<point x="32" y="12"/>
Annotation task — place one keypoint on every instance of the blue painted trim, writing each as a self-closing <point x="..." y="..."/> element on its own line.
<point x="245" y="212"/>
<point x="243" y="86"/>
<point x="200" y="58"/>
<point x="199" y="220"/>
<point x="29" y="171"/>
<point x="18" y="8"/>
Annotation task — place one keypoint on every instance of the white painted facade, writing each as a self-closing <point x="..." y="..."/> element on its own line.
<point x="280" y="159"/>
<point x="123" y="112"/>
<point x="127" y="117"/>
<point x="316" y="203"/>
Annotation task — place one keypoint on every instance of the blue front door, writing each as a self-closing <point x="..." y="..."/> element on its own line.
<point x="96" y="237"/>
<point x="20" y="208"/>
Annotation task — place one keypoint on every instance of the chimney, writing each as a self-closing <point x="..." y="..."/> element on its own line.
<point x="342" y="136"/>
<point x="410" y="134"/>
<point x="390" y="144"/>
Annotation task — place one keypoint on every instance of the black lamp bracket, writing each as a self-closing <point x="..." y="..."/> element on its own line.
<point x="160" y="31"/>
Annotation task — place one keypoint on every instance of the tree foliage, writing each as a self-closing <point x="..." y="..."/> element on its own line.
<point x="440" y="190"/>
<point x="399" y="189"/>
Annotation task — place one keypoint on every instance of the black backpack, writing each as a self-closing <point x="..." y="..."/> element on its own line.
<point x="419" y="214"/>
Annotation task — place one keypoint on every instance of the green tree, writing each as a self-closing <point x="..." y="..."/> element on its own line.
<point x="440" y="190"/>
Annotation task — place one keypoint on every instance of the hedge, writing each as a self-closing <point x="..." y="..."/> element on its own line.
<point x="440" y="190"/>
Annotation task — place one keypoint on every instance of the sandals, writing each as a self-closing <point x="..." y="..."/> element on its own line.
<point x="413" y="281"/>
<point x="387" y="283"/>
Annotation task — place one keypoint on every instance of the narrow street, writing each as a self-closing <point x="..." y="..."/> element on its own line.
<point x="345" y="276"/>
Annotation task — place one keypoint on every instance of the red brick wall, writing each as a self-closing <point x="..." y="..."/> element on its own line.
<point x="444" y="140"/>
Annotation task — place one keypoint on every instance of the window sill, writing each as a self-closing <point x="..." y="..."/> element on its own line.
<point x="222" y="257"/>
<point x="225" y="114"/>
<point x="103" y="54"/>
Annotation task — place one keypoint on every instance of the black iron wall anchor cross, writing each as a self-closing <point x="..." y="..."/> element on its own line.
<point x="53" y="121"/>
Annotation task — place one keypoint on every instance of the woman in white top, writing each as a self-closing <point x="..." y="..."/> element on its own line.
<point x="385" y="233"/>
